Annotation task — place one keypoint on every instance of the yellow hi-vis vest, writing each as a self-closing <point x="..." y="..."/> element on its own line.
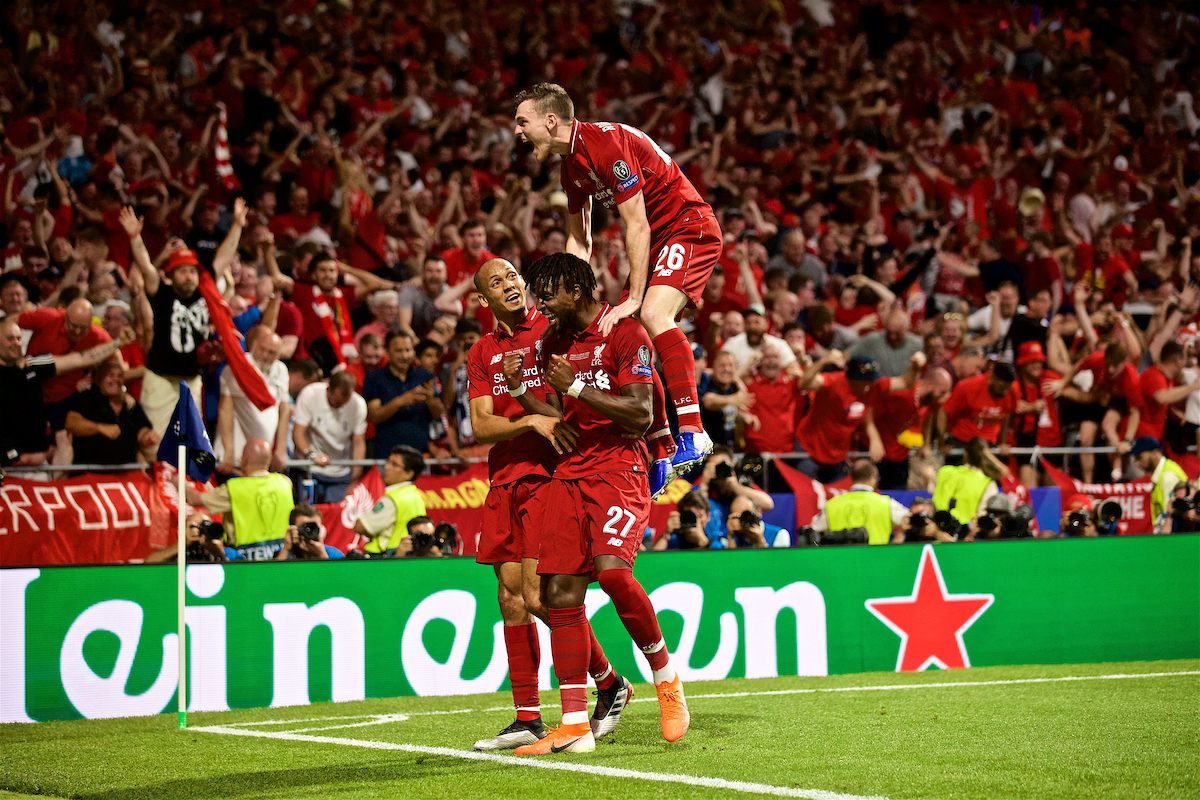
<point x="857" y="509"/>
<point x="1158" y="503"/>
<point x="963" y="484"/>
<point x="409" y="503"/>
<point x="260" y="507"/>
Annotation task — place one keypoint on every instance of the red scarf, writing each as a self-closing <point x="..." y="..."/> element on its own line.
<point x="341" y="337"/>
<point x="244" y="372"/>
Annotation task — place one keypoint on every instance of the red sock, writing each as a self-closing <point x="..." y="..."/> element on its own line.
<point x="598" y="667"/>
<point x="524" y="655"/>
<point x="636" y="611"/>
<point x="658" y="439"/>
<point x="679" y="368"/>
<point x="571" y="644"/>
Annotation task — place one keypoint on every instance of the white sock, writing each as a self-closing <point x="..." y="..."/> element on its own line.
<point x="574" y="717"/>
<point x="664" y="675"/>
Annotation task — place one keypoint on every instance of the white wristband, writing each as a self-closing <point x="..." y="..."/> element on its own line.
<point x="520" y="390"/>
<point x="576" y="387"/>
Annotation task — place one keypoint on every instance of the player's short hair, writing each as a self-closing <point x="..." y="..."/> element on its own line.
<point x="343" y="382"/>
<point x="549" y="98"/>
<point x="414" y="462"/>
<point x="1171" y="350"/>
<point x="1115" y="354"/>
<point x="546" y="275"/>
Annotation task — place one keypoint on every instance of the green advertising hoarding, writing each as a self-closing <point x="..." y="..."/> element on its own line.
<point x="99" y="641"/>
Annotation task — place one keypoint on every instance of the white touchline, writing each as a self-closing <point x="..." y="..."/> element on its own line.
<point x="563" y="766"/>
<point x="299" y="735"/>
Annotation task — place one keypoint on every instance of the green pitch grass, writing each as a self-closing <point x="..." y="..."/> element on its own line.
<point x="1035" y="737"/>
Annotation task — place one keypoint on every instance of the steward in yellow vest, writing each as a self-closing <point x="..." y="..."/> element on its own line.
<point x="1165" y="473"/>
<point x="387" y="523"/>
<point x="861" y="515"/>
<point x="255" y="506"/>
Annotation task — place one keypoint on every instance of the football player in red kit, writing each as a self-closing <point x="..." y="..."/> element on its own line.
<point x="519" y="473"/>
<point x="672" y="239"/>
<point x="599" y="493"/>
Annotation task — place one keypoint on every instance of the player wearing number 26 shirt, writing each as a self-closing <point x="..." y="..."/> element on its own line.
<point x="599" y="496"/>
<point x="671" y="236"/>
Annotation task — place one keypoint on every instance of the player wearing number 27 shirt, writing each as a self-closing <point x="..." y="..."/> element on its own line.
<point x="672" y="239"/>
<point x="599" y="496"/>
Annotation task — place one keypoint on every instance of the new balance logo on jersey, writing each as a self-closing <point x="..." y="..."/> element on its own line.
<point x="614" y="542"/>
<point x="496" y="359"/>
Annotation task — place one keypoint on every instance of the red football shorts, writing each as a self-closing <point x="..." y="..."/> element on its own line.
<point x="603" y="514"/>
<point x="512" y="519"/>
<point x="685" y="256"/>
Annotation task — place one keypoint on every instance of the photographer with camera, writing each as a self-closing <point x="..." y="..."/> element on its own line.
<point x="205" y="542"/>
<point x="1003" y="518"/>
<point x="927" y="525"/>
<point x="426" y="540"/>
<point x="255" y="506"/>
<point x="729" y="494"/>
<point x="1166" y="475"/>
<point x="687" y="526"/>
<point x="386" y="524"/>
<point x="861" y="515"/>
<point x="1077" y="517"/>
<point x="305" y="537"/>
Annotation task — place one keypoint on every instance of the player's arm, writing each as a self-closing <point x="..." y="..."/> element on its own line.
<point x="631" y="409"/>
<point x="579" y="232"/>
<point x="491" y="427"/>
<point x="133" y="228"/>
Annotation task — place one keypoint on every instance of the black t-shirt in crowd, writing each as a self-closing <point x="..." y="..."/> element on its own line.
<point x="180" y="326"/>
<point x="99" y="449"/>
<point x="24" y="428"/>
<point x="205" y="244"/>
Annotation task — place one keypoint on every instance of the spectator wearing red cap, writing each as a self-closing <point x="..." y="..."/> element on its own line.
<point x="1151" y="267"/>
<point x="1037" y="422"/>
<point x="180" y="321"/>
<point x="1161" y="390"/>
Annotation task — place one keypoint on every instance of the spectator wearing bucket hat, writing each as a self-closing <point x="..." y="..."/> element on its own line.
<point x="1036" y="421"/>
<point x="838" y="407"/>
<point x="180" y="323"/>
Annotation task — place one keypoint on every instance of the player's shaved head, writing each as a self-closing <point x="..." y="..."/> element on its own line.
<point x="256" y="455"/>
<point x="487" y="269"/>
<point x="549" y="98"/>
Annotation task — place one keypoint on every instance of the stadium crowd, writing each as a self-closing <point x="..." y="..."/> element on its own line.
<point x="943" y="223"/>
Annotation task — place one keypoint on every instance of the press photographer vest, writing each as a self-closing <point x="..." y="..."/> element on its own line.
<point x="406" y="497"/>
<point x="260" y="507"/>
<point x="1157" y="502"/>
<point x="965" y="485"/>
<point x="861" y="510"/>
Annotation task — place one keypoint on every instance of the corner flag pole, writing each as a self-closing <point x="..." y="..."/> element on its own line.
<point x="182" y="561"/>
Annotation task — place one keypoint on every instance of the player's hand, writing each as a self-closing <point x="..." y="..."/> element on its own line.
<point x="560" y="374"/>
<point x="626" y="309"/>
<point x="1055" y="387"/>
<point x="837" y="358"/>
<point x="320" y="459"/>
<point x="126" y="336"/>
<point x="557" y="432"/>
<point x="876" y="451"/>
<point x="225" y="466"/>
<point x="512" y="367"/>
<point x="240" y="211"/>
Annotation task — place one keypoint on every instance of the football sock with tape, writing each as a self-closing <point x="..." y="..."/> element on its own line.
<point x="636" y="611"/>
<point x="658" y="438"/>
<point x="598" y="666"/>
<point x="570" y="641"/>
<point x="679" y="370"/>
<point x="524" y="655"/>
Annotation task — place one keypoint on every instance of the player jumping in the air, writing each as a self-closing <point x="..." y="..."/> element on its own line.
<point x="666" y="222"/>
<point x="519" y="470"/>
<point x="599" y="496"/>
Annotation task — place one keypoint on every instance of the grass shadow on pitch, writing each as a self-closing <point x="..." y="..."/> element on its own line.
<point x="304" y="781"/>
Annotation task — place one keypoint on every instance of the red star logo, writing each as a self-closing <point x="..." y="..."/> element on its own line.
<point x="930" y="622"/>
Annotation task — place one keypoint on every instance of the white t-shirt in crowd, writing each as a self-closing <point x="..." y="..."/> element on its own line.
<point x="743" y="351"/>
<point x="331" y="431"/>
<point x="248" y="421"/>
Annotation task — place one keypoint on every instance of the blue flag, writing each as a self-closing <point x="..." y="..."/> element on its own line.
<point x="187" y="428"/>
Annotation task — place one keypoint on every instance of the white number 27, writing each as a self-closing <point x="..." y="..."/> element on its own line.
<point x="614" y="518"/>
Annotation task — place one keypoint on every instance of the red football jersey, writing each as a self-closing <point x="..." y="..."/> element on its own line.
<point x="1126" y="385"/>
<point x="972" y="411"/>
<point x="613" y="162"/>
<point x="530" y="453"/>
<point x="1154" y="414"/>
<point x="895" y="412"/>
<point x="775" y="404"/>
<point x="607" y="364"/>
<point x="834" y="415"/>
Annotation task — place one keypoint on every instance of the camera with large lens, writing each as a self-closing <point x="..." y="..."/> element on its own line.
<point x="723" y="471"/>
<point x="445" y="536"/>
<point x="210" y="529"/>
<point x="1077" y="522"/>
<point x="1108" y="514"/>
<point x="422" y="543"/>
<point x="310" y="531"/>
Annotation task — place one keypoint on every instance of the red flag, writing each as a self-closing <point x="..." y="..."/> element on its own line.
<point x="1134" y="498"/>
<point x="339" y="518"/>
<point x="246" y="374"/>
<point x="810" y="495"/>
